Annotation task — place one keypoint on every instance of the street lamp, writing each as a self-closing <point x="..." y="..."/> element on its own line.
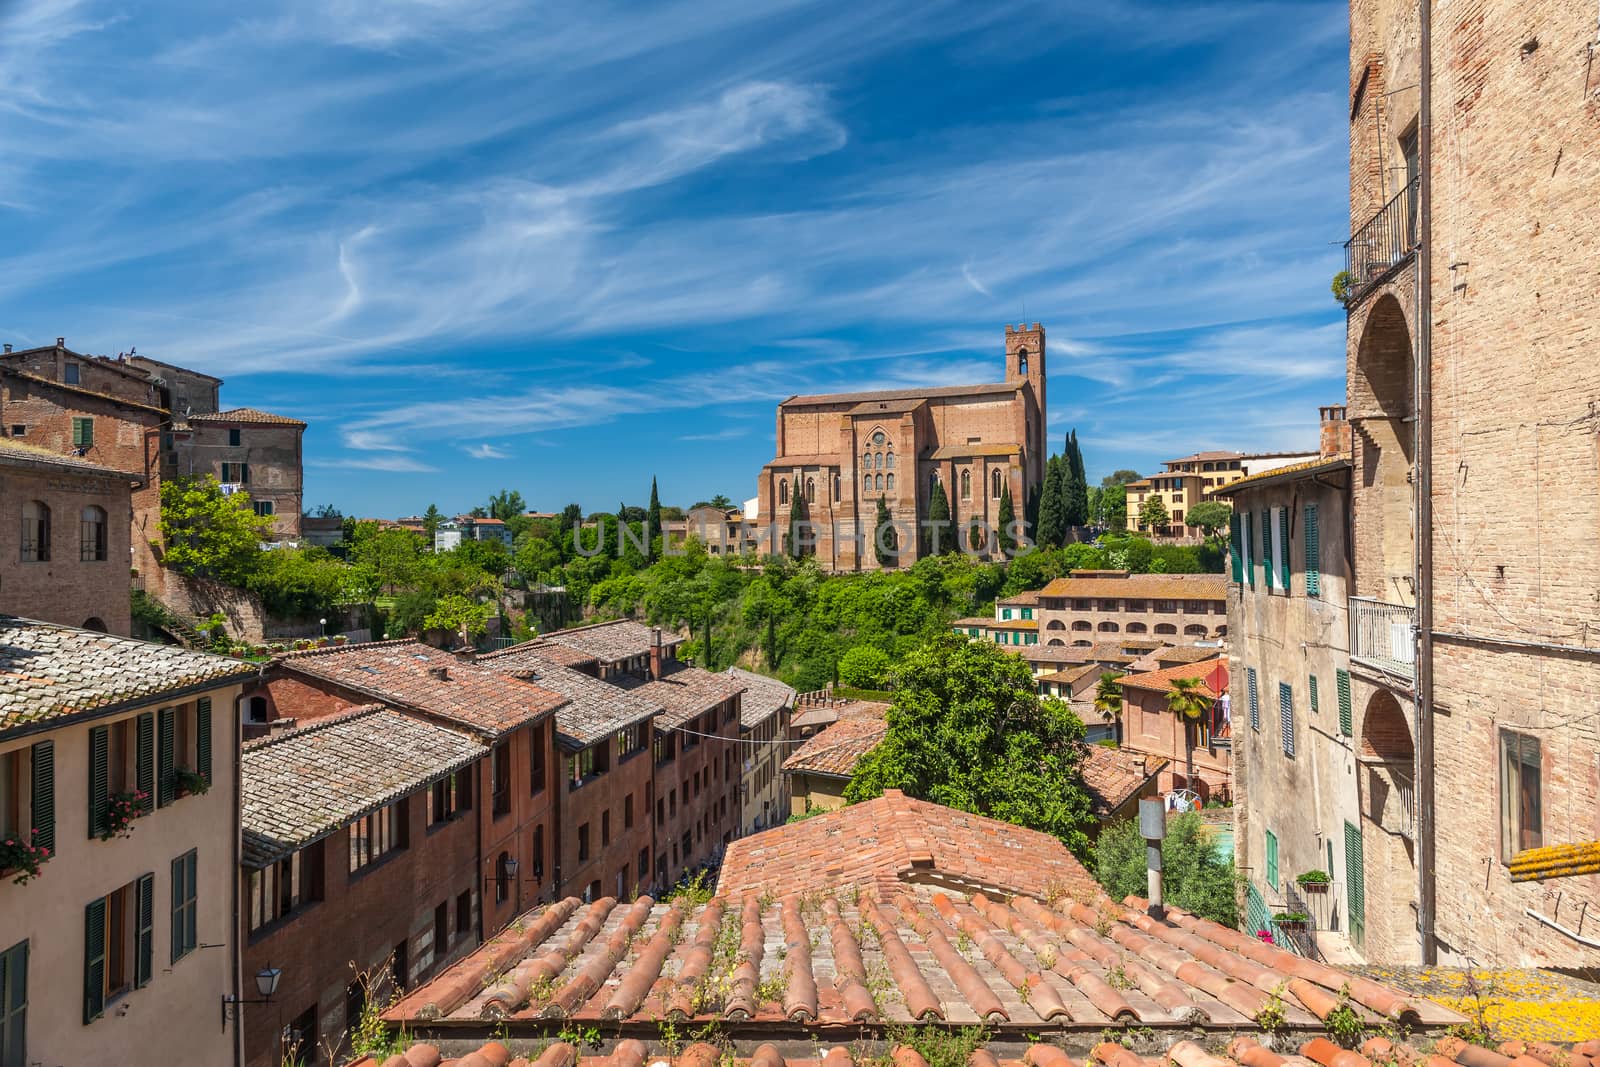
<point x="323" y="623"/>
<point x="266" y="984"/>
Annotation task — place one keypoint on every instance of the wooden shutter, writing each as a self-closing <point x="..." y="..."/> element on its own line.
<point x="1286" y="716"/>
<point x="1272" y="861"/>
<point x="13" y="1003"/>
<point x="1355" y="885"/>
<point x="179" y="896"/>
<point x="99" y="779"/>
<point x="166" y="739"/>
<point x="1255" y="704"/>
<point x="44" y="794"/>
<point x="1346" y="719"/>
<point x="1313" y="542"/>
<point x="1235" y="552"/>
<point x="145" y="757"/>
<point x="202" y="738"/>
<point x="82" y="432"/>
<point x="94" y="960"/>
<point x="1313" y="687"/>
<point x="1283" y="549"/>
<point x="144" y="905"/>
<point x="1250" y="548"/>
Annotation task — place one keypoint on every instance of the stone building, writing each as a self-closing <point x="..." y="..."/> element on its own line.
<point x="1089" y="606"/>
<point x="819" y="770"/>
<point x="64" y="526"/>
<point x="1305" y="797"/>
<point x="1150" y="728"/>
<point x="248" y="451"/>
<point x="116" y="758"/>
<point x="845" y="451"/>
<point x="764" y="713"/>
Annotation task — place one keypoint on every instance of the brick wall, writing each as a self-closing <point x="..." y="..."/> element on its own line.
<point x="601" y="805"/>
<point x="705" y="778"/>
<point x="65" y="588"/>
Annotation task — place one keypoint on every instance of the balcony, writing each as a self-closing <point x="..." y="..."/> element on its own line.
<point x="1384" y="636"/>
<point x="1382" y="243"/>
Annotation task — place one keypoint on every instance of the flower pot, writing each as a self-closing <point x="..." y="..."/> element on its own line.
<point x="1314" y="887"/>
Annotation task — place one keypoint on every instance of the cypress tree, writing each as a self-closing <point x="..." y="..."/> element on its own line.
<point x="885" y="542"/>
<point x="1074" y="489"/>
<point x="1052" y="527"/>
<point x="653" y="519"/>
<point x="939" y="519"/>
<point x="1008" y="542"/>
<point x="797" y="520"/>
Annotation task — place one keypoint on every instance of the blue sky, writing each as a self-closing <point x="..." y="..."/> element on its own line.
<point x="561" y="247"/>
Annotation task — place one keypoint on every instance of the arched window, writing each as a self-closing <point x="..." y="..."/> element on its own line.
<point x="966" y="485"/>
<point x="866" y="461"/>
<point x="866" y="482"/>
<point x="783" y="492"/>
<point x="35" y="532"/>
<point x="1083" y="624"/>
<point x="836" y="486"/>
<point x="880" y="482"/>
<point x="1022" y="361"/>
<point x="878" y="461"/>
<point x="891" y="481"/>
<point x="1166" y="629"/>
<point x="95" y="623"/>
<point x="890" y="457"/>
<point x="92" y="534"/>
<point x="1137" y="628"/>
<point x="994" y="483"/>
<point x="1108" y="627"/>
<point x="811" y="490"/>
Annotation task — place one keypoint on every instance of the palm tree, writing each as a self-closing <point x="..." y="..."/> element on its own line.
<point x="1189" y="703"/>
<point x="1108" y="698"/>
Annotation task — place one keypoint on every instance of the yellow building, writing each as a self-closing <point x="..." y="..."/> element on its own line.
<point x="1188" y="481"/>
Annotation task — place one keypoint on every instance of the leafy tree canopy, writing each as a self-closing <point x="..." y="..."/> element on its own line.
<point x="209" y="535"/>
<point x="864" y="667"/>
<point x="1195" y="875"/>
<point x="1209" y="515"/>
<point x="1119" y="477"/>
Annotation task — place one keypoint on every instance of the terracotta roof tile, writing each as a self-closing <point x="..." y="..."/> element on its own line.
<point x="1292" y="471"/>
<point x="806" y="459"/>
<point x="252" y="415"/>
<point x="409" y="674"/>
<point x="13" y="452"/>
<point x="541" y="651"/>
<point x="611" y="642"/>
<point x="303" y="784"/>
<point x="1161" y="681"/>
<point x="1143" y="586"/>
<point x="1113" y="776"/>
<point x="859" y="727"/>
<point x="963" y="451"/>
<point x="1172" y="655"/>
<point x="1025" y="598"/>
<point x="81" y="391"/>
<point x="594" y="710"/>
<point x="684" y="693"/>
<point x="48" y="671"/>
<point x="764" y="696"/>
<point x="818" y="399"/>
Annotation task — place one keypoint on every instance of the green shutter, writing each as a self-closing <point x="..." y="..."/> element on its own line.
<point x="94" y="960"/>
<point x="145" y="757"/>
<point x="44" y="795"/>
<point x="1283" y="546"/>
<point x="166" y="740"/>
<point x="1346" y="720"/>
<point x="178" y="898"/>
<point x="1234" y="551"/>
<point x="1255" y="699"/>
<point x="1313" y="694"/>
<point x="1250" y="548"/>
<point x="1286" y="717"/>
<point x="144" y="905"/>
<point x="1268" y="575"/>
<point x="1272" y="861"/>
<point x="99" y="779"/>
<point x="1355" y="885"/>
<point x="202" y="738"/>
<point x="1313" y="539"/>
<point x="82" y="432"/>
<point x="13" y="1004"/>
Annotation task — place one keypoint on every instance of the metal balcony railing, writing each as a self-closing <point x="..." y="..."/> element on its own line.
<point x="1382" y="243"/>
<point x="1384" y="636"/>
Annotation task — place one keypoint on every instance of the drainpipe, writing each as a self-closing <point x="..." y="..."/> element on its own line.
<point x="236" y="961"/>
<point x="1423" y="425"/>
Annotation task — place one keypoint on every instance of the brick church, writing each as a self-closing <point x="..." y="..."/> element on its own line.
<point x="846" y="450"/>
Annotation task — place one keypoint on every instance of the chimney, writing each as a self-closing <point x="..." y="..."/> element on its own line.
<point x="8" y="346"/>
<point x="61" y="342"/>
<point x="465" y="654"/>
<point x="1335" y="431"/>
<point x="440" y="673"/>
<point x="656" y="654"/>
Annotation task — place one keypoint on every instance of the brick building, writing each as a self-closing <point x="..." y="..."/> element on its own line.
<point x="819" y="770"/>
<point x="248" y="451"/>
<point x="844" y="451"/>
<point x="1150" y="727"/>
<point x="115" y="756"/>
<point x="64" y="526"/>
<point x="1089" y="606"/>
<point x="359" y="873"/>
<point x="1473" y="322"/>
<point x="764" y="713"/>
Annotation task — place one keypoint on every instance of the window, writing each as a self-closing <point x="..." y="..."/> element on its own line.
<point x="836" y="487"/>
<point x="14" y="1005"/>
<point x="82" y="433"/>
<point x="71" y="374"/>
<point x="376" y="835"/>
<point x="1272" y="860"/>
<point x="500" y="780"/>
<point x="879" y="482"/>
<point x="300" y="1038"/>
<point x="233" y="437"/>
<point x="811" y="490"/>
<point x="630" y="739"/>
<point x="866" y="482"/>
<point x="117" y="945"/>
<point x="889" y="460"/>
<point x="355" y="1000"/>
<point x="35" y="532"/>
<point x="92" y="535"/>
<point x="185" y="872"/>
<point x="536" y="761"/>
<point x="464" y="912"/>
<point x="627" y="812"/>
<point x="19" y="430"/>
<point x="994" y="484"/>
<point x="583" y="842"/>
<point x="280" y="888"/>
<point x="263" y="508"/>
<point x="441" y="927"/>
<point x="877" y="460"/>
<point x="605" y="828"/>
<point x="449" y="797"/>
<point x="890" y="484"/>
<point x="1313" y="687"/>
<point x="502" y="883"/>
<point x="538" y="853"/>
<point x="1247" y="547"/>
<point x="1341" y="680"/>
<point x="1521" y="802"/>
<point x="1286" y="717"/>
<point x="1255" y="703"/>
<point x="584" y="766"/>
<point x="236" y="473"/>
<point x="877" y="437"/>
<point x="644" y="864"/>
<point x="783" y="492"/>
<point x="966" y="485"/>
<point x="1313" y="547"/>
<point x="866" y="461"/>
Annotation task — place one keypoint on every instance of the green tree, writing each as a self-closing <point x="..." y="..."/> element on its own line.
<point x="652" y="527"/>
<point x="571" y="517"/>
<point x="1189" y="703"/>
<point x="1195" y="875"/>
<point x="430" y="523"/>
<point x="969" y="730"/>
<point x="1008" y="518"/>
<point x="536" y="556"/>
<point x="885" y="541"/>
<point x="1153" y="514"/>
<point x="864" y="667"/>
<point x="1108" y="696"/>
<point x="1113" y="507"/>
<point x="939" y="535"/>
<point x="1075" y="489"/>
<point x="463" y="616"/>
<point x="798" y="519"/>
<point x="506" y="505"/>
<point x="208" y="535"/>
<point x="304" y="582"/>
<point x="1052" y="529"/>
<point x="1119" y="477"/>
<point x="1210" y="516"/>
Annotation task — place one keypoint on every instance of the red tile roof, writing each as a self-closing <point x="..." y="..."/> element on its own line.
<point x="1114" y="776"/>
<point x="684" y="693"/>
<point x="250" y="415"/>
<point x="412" y="675"/>
<point x="611" y="642"/>
<point x="1143" y="587"/>
<point x="818" y="399"/>
<point x="1161" y="681"/>
<point x="835" y="750"/>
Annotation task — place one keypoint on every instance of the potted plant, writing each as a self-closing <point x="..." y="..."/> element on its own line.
<point x="121" y="810"/>
<point x="22" y="857"/>
<point x="1316" y="881"/>
<point x="189" y="782"/>
<point x="1291" y="920"/>
<point x="1343" y="286"/>
<point x="340" y="639"/>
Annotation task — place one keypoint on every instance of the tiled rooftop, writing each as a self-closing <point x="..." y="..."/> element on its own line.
<point x="1161" y="681"/>
<point x="963" y="451"/>
<point x="986" y="389"/>
<point x="896" y="839"/>
<point x="47" y="670"/>
<point x="684" y="692"/>
<point x="809" y="966"/>
<point x="1174" y="655"/>
<point x="764" y="696"/>
<point x="252" y="415"/>
<point x="1292" y="471"/>
<point x="837" y="748"/>
<point x="303" y="784"/>
<point x="81" y="391"/>
<point x="13" y="451"/>
<point x="594" y="709"/>
<point x="611" y="642"/>
<point x="541" y="651"/>
<point x="1026" y="598"/>
<point x="1143" y="586"/>
<point x="413" y="675"/>
<point x="1113" y="776"/>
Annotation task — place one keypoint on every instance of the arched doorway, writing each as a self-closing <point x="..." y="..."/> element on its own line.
<point x="94" y="623"/>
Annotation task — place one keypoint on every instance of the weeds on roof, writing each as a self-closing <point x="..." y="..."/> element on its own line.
<point x="1344" y="1026"/>
<point x="691" y="893"/>
<point x="1117" y="978"/>
<point x="1272" y="1018"/>
<point x="370" y="1035"/>
<point x="939" y="1046"/>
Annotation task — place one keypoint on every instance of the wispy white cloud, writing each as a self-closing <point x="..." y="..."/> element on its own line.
<point x="726" y="434"/>
<point x="397" y="464"/>
<point x="487" y="451"/>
